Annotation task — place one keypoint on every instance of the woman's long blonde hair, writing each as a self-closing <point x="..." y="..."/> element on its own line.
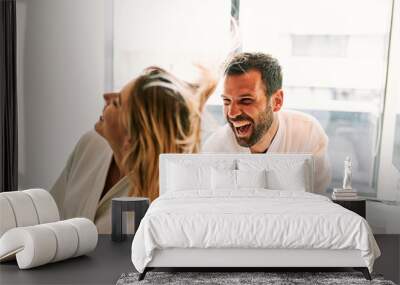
<point x="163" y="116"/>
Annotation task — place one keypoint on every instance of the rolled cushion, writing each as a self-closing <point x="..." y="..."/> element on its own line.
<point x="46" y="207"/>
<point x="40" y="244"/>
<point x="23" y="208"/>
<point x="87" y="235"/>
<point x="67" y="240"/>
<point x="7" y="218"/>
<point x="26" y="208"/>
<point x="33" y="246"/>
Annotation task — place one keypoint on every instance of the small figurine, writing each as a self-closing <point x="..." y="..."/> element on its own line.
<point x="347" y="174"/>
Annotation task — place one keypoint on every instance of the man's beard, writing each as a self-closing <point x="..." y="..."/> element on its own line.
<point x="260" y="127"/>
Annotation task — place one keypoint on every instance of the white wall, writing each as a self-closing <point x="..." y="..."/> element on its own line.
<point x="382" y="217"/>
<point x="61" y="80"/>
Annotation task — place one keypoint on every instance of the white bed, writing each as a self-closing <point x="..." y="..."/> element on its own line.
<point x="221" y="211"/>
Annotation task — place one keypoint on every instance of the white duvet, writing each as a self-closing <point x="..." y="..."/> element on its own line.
<point x="253" y="218"/>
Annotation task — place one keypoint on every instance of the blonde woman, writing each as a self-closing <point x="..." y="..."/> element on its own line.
<point x="155" y="113"/>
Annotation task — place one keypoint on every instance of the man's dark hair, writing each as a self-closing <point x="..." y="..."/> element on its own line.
<point x="271" y="73"/>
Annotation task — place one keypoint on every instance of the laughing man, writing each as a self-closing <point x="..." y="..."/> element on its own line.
<point x="253" y="98"/>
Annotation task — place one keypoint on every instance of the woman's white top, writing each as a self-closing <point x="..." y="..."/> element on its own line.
<point x="297" y="133"/>
<point x="78" y="190"/>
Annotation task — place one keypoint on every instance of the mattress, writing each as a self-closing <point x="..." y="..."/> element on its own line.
<point x="250" y="219"/>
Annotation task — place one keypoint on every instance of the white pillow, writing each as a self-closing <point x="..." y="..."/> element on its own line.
<point x="293" y="179"/>
<point x="251" y="178"/>
<point x="182" y="177"/>
<point x="227" y="179"/>
<point x="281" y="174"/>
<point x="223" y="179"/>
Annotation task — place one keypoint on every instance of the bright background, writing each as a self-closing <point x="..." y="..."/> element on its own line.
<point x="334" y="56"/>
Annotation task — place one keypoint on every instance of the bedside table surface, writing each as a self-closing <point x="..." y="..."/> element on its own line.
<point x="350" y="200"/>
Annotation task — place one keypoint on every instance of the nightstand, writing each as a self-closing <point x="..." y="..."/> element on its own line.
<point x="356" y="205"/>
<point x="138" y="205"/>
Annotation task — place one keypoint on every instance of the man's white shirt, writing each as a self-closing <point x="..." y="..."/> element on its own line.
<point x="297" y="133"/>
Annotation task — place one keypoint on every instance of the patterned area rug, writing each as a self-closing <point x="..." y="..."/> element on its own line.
<point x="225" y="278"/>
